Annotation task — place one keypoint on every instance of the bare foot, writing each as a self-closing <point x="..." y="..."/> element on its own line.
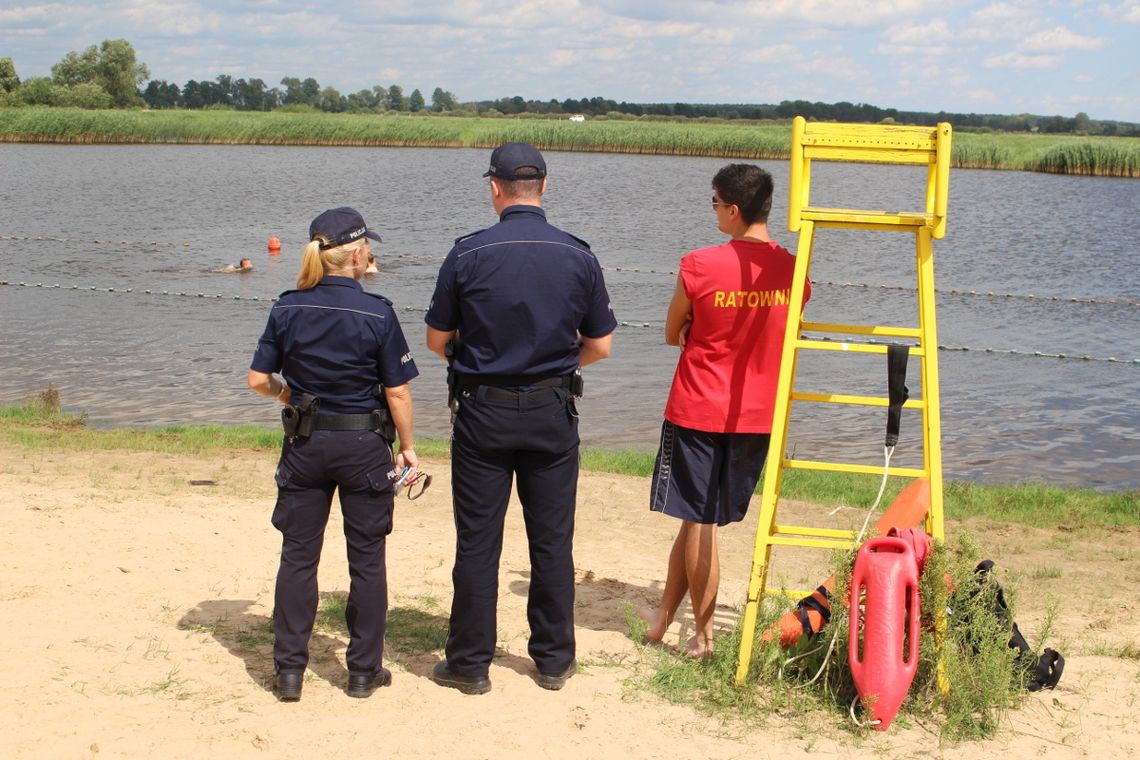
<point x="657" y="621"/>
<point x="699" y="648"/>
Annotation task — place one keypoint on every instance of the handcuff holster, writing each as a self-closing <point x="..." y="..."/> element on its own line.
<point x="298" y="420"/>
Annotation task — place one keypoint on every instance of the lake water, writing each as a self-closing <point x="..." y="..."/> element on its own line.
<point x="90" y="219"/>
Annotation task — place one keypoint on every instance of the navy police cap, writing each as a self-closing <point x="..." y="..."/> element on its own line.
<point x="340" y="226"/>
<point x="516" y="160"/>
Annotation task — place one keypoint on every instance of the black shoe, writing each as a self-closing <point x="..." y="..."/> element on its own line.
<point x="443" y="676"/>
<point x="288" y="686"/>
<point x="555" y="681"/>
<point x="361" y="686"/>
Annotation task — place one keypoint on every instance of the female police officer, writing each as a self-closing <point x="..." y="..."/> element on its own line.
<point x="346" y="367"/>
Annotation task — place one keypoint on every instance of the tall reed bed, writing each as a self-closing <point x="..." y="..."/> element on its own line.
<point x="1066" y="154"/>
<point x="979" y="152"/>
<point x="1116" y="160"/>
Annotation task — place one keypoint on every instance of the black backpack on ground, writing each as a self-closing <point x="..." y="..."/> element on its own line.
<point x="1035" y="672"/>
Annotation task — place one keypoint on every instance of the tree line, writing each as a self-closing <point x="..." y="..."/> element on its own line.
<point x="110" y="76"/>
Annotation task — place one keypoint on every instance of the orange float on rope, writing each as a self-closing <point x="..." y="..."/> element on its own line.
<point x="274" y="244"/>
<point x="907" y="510"/>
<point x="886" y="578"/>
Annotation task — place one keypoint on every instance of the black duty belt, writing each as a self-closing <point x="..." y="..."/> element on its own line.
<point x="492" y="391"/>
<point x="345" y="422"/>
<point x="510" y="386"/>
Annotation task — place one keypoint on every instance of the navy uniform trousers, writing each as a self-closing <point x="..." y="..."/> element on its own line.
<point x="531" y="436"/>
<point x="357" y="464"/>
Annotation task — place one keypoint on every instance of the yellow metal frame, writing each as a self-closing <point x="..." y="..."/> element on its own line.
<point x="861" y="143"/>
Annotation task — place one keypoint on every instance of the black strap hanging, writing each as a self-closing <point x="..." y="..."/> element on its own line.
<point x="897" y="392"/>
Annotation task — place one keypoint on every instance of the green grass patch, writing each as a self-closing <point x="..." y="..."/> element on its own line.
<point x="1057" y="153"/>
<point x="40" y="423"/>
<point x="1128" y="651"/>
<point x="411" y="631"/>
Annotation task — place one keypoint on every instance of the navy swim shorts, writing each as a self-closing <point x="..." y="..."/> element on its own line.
<point x="706" y="477"/>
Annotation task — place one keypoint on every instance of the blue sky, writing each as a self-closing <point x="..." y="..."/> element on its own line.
<point x="1007" y="56"/>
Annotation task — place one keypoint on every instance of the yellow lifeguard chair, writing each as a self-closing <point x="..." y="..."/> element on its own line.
<point x="860" y="143"/>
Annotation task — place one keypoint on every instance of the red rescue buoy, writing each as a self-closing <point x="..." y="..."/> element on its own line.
<point x="274" y="245"/>
<point x="886" y="577"/>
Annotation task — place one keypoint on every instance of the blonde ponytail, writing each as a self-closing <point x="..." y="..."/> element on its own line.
<point x="316" y="263"/>
<point x="312" y="270"/>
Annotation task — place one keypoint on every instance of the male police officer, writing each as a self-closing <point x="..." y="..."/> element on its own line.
<point x="523" y="305"/>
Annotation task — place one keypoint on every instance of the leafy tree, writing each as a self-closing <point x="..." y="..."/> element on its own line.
<point x="416" y="101"/>
<point x="36" y="91"/>
<point x="293" y="94"/>
<point x="396" y="98"/>
<point x="330" y="100"/>
<point x="9" y="80"/>
<point x="162" y="94"/>
<point x="311" y="92"/>
<point x="119" y="72"/>
<point x="112" y="66"/>
<point x="364" y="101"/>
<point x="442" y="100"/>
<point x="298" y="92"/>
<point x="1081" y="123"/>
<point x="86" y="95"/>
<point x="224" y="92"/>
<point x="192" y="95"/>
<point x="380" y="96"/>
<point x="76" y="68"/>
<point x="41" y="91"/>
<point x="253" y="95"/>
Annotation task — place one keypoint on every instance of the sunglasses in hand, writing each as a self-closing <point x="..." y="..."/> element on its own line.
<point x="416" y="480"/>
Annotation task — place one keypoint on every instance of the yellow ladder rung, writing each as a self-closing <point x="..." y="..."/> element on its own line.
<point x="794" y="594"/>
<point x="842" y="329"/>
<point x="858" y="348"/>
<point x="810" y="543"/>
<point x="806" y="530"/>
<point x="869" y="216"/>
<point x="839" y="398"/>
<point x="864" y="226"/>
<point x="879" y="140"/>
<point x="863" y="469"/>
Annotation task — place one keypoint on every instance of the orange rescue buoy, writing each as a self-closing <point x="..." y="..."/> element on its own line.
<point x="814" y="611"/>
<point x="274" y="245"/>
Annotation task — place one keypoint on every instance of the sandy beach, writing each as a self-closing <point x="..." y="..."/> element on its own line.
<point x="137" y="605"/>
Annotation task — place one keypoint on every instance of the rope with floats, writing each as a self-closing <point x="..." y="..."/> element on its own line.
<point x="433" y="259"/>
<point x="625" y="323"/>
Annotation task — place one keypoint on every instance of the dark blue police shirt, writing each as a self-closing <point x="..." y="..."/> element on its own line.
<point x="336" y="342"/>
<point x="520" y="293"/>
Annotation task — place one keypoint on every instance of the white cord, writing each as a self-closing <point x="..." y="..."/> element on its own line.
<point x="888" y="451"/>
<point x="856" y="721"/>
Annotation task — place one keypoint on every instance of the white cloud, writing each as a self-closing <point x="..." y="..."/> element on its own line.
<point x="981" y="96"/>
<point x="1021" y="61"/>
<point x="172" y="19"/>
<point x="929" y="39"/>
<point x="1059" y="38"/>
<point x="30" y="13"/>
<point x="1001" y="21"/>
<point x="832" y="66"/>
<point x="774" y="54"/>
